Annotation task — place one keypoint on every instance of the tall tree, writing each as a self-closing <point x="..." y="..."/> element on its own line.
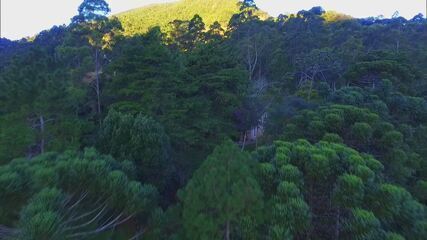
<point x="187" y="34"/>
<point x="92" y="10"/>
<point x="223" y="199"/>
<point x="141" y="140"/>
<point x="99" y="31"/>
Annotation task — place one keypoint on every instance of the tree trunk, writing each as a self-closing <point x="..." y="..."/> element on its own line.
<point x="397" y="46"/>
<point x="42" y="140"/>
<point x="97" y="87"/>
<point x="244" y="141"/>
<point x="227" y="230"/>
<point x="256" y="137"/>
<point x="337" y="224"/>
<point x="310" y="89"/>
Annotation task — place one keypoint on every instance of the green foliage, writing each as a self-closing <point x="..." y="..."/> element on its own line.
<point x="381" y="69"/>
<point x="349" y="192"/>
<point x="69" y="195"/>
<point x="140" y="20"/>
<point x="193" y="96"/>
<point x="362" y="132"/>
<point x="139" y="139"/>
<point x="385" y="101"/>
<point x="332" y="137"/>
<point x="397" y="208"/>
<point x="37" y="110"/>
<point x="338" y="183"/>
<point x="394" y="236"/>
<point x="91" y="10"/>
<point x="290" y="213"/>
<point x="363" y="225"/>
<point x="359" y="128"/>
<point x="40" y="218"/>
<point x="181" y="77"/>
<point x="15" y="137"/>
<point x="186" y="34"/>
<point x="213" y="205"/>
<point x="421" y="190"/>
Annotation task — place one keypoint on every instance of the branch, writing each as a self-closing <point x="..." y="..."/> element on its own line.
<point x="137" y="235"/>
<point x="7" y="232"/>
<point x="114" y="223"/>
<point x="88" y="222"/>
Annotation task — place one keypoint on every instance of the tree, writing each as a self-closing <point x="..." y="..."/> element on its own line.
<point x="139" y="139"/>
<point x="246" y="14"/>
<point x="248" y="7"/>
<point x="193" y="94"/>
<point x="353" y="165"/>
<point x="187" y="34"/>
<point x="320" y="65"/>
<point x="92" y="24"/>
<point x="341" y="188"/>
<point x="15" y="137"/>
<point x="217" y="83"/>
<point x="196" y="27"/>
<point x="317" y="10"/>
<point x="248" y="3"/>
<point x="215" y="32"/>
<point x="223" y="199"/>
<point x="290" y="213"/>
<point x="361" y="129"/>
<point x="38" y="83"/>
<point x="71" y="195"/>
<point x="91" y="10"/>
<point x="362" y="225"/>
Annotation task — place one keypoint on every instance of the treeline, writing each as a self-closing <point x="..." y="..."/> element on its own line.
<point x="106" y="135"/>
<point x="140" y="20"/>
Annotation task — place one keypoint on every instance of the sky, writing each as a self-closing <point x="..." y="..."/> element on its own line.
<point x="22" y="18"/>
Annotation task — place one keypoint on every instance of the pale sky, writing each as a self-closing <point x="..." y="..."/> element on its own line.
<point x="21" y="18"/>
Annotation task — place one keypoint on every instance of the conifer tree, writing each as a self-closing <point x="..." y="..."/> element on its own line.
<point x="222" y="199"/>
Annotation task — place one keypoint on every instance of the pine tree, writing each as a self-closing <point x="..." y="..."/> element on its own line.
<point x="222" y="197"/>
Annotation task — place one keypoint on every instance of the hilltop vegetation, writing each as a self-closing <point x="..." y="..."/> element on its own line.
<point x="306" y="126"/>
<point x="140" y="20"/>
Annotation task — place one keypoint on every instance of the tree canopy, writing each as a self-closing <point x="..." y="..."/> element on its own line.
<point x="92" y="10"/>
<point x="209" y="119"/>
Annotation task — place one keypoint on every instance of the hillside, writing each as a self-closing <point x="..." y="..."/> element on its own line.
<point x="141" y="19"/>
<point x="306" y="126"/>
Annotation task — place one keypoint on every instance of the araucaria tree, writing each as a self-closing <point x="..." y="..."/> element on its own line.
<point x="326" y="116"/>
<point x="70" y="196"/>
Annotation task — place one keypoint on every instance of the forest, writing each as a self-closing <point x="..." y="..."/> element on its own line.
<point x="169" y="123"/>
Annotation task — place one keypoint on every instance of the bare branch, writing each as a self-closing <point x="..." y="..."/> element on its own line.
<point x="114" y="223"/>
<point x="96" y="217"/>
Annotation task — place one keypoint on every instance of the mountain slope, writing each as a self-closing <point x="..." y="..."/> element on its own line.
<point x="141" y="19"/>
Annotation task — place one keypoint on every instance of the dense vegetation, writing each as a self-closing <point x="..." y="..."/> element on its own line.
<point x="199" y="120"/>
<point x="140" y="20"/>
